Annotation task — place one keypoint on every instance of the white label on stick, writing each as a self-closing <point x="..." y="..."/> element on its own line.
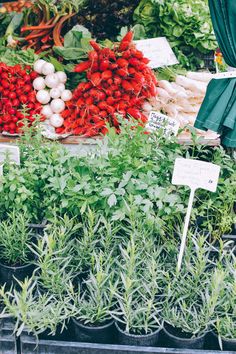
<point x="158" y="120"/>
<point x="158" y="51"/>
<point x="12" y="152"/>
<point x="1" y="170"/>
<point x="196" y="174"/>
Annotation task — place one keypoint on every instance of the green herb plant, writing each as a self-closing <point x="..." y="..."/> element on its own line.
<point x="15" y="238"/>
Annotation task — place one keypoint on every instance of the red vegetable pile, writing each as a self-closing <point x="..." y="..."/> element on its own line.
<point x="17" y="95"/>
<point x="118" y="82"/>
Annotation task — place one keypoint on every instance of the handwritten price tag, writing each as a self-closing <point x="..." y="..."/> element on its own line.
<point x="194" y="174"/>
<point x="10" y="152"/>
<point x="158" y="120"/>
<point x="158" y="51"/>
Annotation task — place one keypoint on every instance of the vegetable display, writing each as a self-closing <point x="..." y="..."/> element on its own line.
<point x="17" y="97"/>
<point x="182" y="97"/>
<point x="118" y="82"/>
<point x="15" y="6"/>
<point x="185" y="23"/>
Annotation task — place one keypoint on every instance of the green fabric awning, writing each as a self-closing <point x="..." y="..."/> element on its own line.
<point x="218" y="111"/>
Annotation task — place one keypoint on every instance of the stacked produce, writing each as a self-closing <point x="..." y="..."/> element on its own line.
<point x="182" y="98"/>
<point x="185" y="23"/>
<point x="16" y="6"/>
<point x="48" y="21"/>
<point x="118" y="82"/>
<point x="51" y="92"/>
<point x="17" y="97"/>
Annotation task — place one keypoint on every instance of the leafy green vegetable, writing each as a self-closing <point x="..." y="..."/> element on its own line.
<point x="76" y="44"/>
<point x="12" y="57"/>
<point x="185" y="23"/>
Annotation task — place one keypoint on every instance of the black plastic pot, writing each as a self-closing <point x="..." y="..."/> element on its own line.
<point x="146" y="340"/>
<point x="175" y="340"/>
<point x="227" y="344"/>
<point x="94" y="334"/>
<point x="8" y="274"/>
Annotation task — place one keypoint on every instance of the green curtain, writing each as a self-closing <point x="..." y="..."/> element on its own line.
<point x="218" y="111"/>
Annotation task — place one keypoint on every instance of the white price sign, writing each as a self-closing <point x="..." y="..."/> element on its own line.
<point x="158" y="120"/>
<point x="10" y="152"/>
<point x="158" y="51"/>
<point x="194" y="174"/>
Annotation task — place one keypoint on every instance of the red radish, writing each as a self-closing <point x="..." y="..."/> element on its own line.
<point x="81" y="67"/>
<point x="107" y="74"/>
<point x="122" y="63"/>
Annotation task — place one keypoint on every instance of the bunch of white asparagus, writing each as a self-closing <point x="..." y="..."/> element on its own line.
<point x="181" y="99"/>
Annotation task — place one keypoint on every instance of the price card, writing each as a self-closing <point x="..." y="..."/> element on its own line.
<point x="12" y="152"/>
<point x="194" y="174"/>
<point x="158" y="50"/>
<point x="158" y="120"/>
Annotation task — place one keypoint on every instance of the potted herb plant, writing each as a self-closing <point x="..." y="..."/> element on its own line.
<point x="33" y="312"/>
<point x="94" y="301"/>
<point x="225" y="326"/>
<point x="189" y="312"/>
<point x="137" y="309"/>
<point x="15" y="254"/>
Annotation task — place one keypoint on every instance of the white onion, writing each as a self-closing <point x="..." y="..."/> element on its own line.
<point x="39" y="83"/>
<point x="51" y="80"/>
<point x="56" y="120"/>
<point x="46" y="111"/>
<point x="48" y="69"/>
<point x="43" y="96"/>
<point x="66" y="95"/>
<point x="55" y="93"/>
<point x="57" y="105"/>
<point x="61" y="76"/>
<point x="61" y="87"/>
<point x="38" y="65"/>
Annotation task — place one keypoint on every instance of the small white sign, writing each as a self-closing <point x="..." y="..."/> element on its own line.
<point x="225" y="75"/>
<point x="196" y="174"/>
<point x="12" y="152"/>
<point x="1" y="170"/>
<point x="158" y="50"/>
<point x="158" y="120"/>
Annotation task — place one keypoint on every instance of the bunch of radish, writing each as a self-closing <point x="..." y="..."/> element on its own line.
<point x="17" y="98"/>
<point x="118" y="82"/>
<point x="51" y="92"/>
<point x="182" y="98"/>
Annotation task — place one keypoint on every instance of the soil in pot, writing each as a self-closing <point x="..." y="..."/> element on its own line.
<point x="103" y="333"/>
<point x="145" y="340"/>
<point x="176" y="338"/>
<point x="9" y="273"/>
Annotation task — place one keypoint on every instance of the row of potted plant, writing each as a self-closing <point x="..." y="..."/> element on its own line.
<point x="116" y="282"/>
<point x="129" y="166"/>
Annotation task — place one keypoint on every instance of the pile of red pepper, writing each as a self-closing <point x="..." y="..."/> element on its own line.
<point x="118" y="83"/>
<point x="17" y="97"/>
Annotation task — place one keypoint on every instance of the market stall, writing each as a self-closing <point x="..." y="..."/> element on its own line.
<point x="117" y="215"/>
